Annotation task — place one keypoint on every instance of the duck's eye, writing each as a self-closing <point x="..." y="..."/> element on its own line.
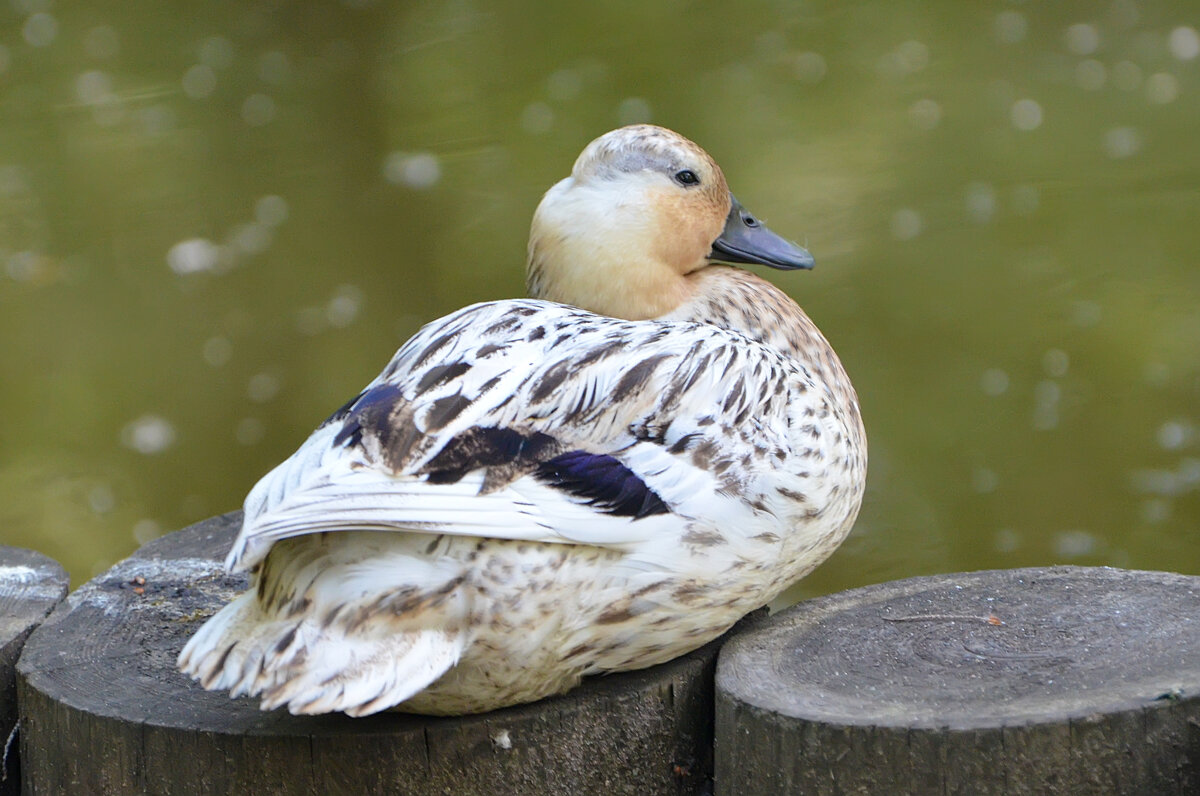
<point x="687" y="177"/>
<point x="749" y="220"/>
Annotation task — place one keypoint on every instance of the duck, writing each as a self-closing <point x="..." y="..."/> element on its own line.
<point x="598" y="478"/>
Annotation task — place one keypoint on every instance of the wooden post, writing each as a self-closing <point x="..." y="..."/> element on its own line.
<point x="103" y="710"/>
<point x="1061" y="680"/>
<point x="30" y="586"/>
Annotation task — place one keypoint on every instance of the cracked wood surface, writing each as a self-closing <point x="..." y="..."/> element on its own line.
<point x="1058" y="680"/>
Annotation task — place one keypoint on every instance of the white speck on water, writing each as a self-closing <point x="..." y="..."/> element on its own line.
<point x="23" y="266"/>
<point x="1157" y="374"/>
<point x="1188" y="472"/>
<point x="101" y="499"/>
<point x="344" y="307"/>
<point x="1073" y="544"/>
<point x="258" y="110"/>
<point x="634" y="110"/>
<point x="1162" y="88"/>
<point x="914" y="55"/>
<point x="148" y="434"/>
<point x="217" y="52"/>
<point x="217" y="351"/>
<point x="1046" y="396"/>
<point x="994" y="381"/>
<point x="1056" y="362"/>
<point x="1086" y="313"/>
<point x="1156" y="511"/>
<point x="419" y="170"/>
<point x="271" y="210"/>
<point x="146" y="530"/>
<point x="537" y="118"/>
<point x="40" y="29"/>
<point x="564" y="85"/>
<point x="1122" y="142"/>
<point x="262" y="387"/>
<point x="310" y="320"/>
<point x="1168" y="483"/>
<point x="1175" y="434"/>
<point x="984" y="480"/>
<point x="251" y="238"/>
<point x="980" y="202"/>
<point x="1157" y="481"/>
<point x="157" y="120"/>
<point x="31" y="6"/>
<point x="906" y="224"/>
<point x="13" y="181"/>
<point x="1184" y="43"/>
<point x="193" y="255"/>
<point x="1026" y="114"/>
<point x="1011" y="27"/>
<point x="199" y="81"/>
<point x="1127" y="75"/>
<point x="908" y="57"/>
<point x="1082" y="38"/>
<point x="108" y="111"/>
<point x="101" y="42"/>
<point x="249" y="431"/>
<point x="1091" y="75"/>
<point x="925" y="114"/>
<point x="809" y="67"/>
<point x="1006" y="541"/>
<point x="93" y="86"/>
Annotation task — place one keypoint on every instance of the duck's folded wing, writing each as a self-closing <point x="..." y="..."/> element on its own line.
<point x="524" y="420"/>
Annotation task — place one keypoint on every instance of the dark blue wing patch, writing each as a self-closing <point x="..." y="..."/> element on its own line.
<point x="369" y="412"/>
<point x="606" y="484"/>
<point x="503" y="450"/>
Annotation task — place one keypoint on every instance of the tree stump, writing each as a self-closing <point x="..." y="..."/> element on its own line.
<point x="1062" y="680"/>
<point x="103" y="710"/>
<point x="30" y="586"/>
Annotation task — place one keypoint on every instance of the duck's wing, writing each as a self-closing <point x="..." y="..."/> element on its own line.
<point x="530" y="420"/>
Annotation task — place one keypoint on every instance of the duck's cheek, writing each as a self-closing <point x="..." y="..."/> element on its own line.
<point x="686" y="227"/>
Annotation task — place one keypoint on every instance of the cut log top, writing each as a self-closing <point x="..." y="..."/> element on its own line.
<point x="104" y="710"/>
<point x="1062" y="680"/>
<point x="976" y="650"/>
<point x="30" y="585"/>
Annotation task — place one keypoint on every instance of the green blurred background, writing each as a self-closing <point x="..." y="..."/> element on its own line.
<point x="218" y="220"/>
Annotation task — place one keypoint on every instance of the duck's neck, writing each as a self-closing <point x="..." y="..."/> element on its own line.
<point x="743" y="302"/>
<point x="739" y="300"/>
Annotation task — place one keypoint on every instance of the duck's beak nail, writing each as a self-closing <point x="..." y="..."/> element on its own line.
<point x="746" y="240"/>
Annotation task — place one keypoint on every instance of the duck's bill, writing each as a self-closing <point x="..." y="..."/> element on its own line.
<point x="746" y="241"/>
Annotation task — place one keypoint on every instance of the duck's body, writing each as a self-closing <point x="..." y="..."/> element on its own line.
<point x="531" y="492"/>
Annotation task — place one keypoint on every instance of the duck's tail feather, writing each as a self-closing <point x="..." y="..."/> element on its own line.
<point x="311" y="668"/>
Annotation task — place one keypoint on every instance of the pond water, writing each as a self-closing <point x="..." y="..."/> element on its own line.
<point x="215" y="226"/>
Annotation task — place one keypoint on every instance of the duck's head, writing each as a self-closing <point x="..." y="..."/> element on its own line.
<point x="643" y="211"/>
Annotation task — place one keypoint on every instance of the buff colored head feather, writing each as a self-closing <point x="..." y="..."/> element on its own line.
<point x="643" y="209"/>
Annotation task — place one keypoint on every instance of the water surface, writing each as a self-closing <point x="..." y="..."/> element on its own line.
<point x="215" y="226"/>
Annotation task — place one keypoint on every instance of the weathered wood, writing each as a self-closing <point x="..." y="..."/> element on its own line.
<point x="104" y="711"/>
<point x="30" y="586"/>
<point x="1061" y="680"/>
